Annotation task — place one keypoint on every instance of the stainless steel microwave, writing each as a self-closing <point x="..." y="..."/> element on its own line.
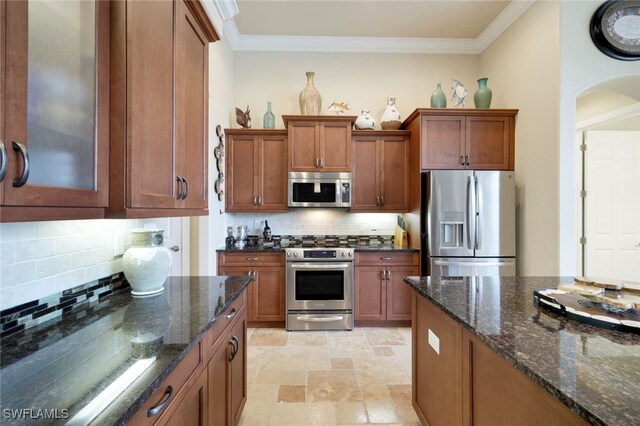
<point x="325" y="189"/>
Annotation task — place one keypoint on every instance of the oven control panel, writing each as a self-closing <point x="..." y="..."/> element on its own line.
<point x="319" y="254"/>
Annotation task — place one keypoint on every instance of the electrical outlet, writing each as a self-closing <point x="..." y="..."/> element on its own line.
<point x="118" y="244"/>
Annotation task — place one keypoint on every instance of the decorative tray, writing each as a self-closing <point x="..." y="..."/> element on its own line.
<point x="584" y="309"/>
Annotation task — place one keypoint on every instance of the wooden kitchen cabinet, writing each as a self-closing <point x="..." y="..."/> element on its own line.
<point x="54" y="143"/>
<point x="158" y="109"/>
<point x="458" y="380"/>
<point x="380" y="171"/>
<point x="192" y="409"/>
<point x="319" y="143"/>
<point x="476" y="139"/>
<point x="380" y="294"/>
<point x="256" y="170"/>
<point x="227" y="374"/>
<point x="266" y="295"/>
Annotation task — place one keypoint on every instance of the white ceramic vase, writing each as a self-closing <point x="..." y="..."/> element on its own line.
<point x="365" y="121"/>
<point x="309" y="97"/>
<point x="390" y="119"/>
<point x="146" y="264"/>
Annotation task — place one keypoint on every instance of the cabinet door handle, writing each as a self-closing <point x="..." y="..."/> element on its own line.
<point x="180" y="188"/>
<point x="231" y="345"/>
<point x="382" y="276"/>
<point x="175" y="248"/>
<point x="462" y="160"/>
<point x="186" y="188"/>
<point x="259" y="200"/>
<point x="232" y="314"/>
<point x="388" y="275"/>
<point x="466" y="157"/>
<point x="20" y="148"/>
<point x="168" y="396"/>
<point x="255" y="201"/>
<point x="3" y="161"/>
<point x="235" y="347"/>
<point x="378" y="201"/>
<point x="385" y="258"/>
<point x="382" y="201"/>
<point x="322" y="163"/>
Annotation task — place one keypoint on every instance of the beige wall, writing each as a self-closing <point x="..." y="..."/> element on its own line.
<point x="600" y="103"/>
<point x="523" y="70"/>
<point x="364" y="80"/>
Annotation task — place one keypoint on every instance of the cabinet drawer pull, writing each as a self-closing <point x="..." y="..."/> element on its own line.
<point x="186" y="188"/>
<point x="232" y="314"/>
<point x="385" y="258"/>
<point x="3" y="161"/>
<point x="18" y="147"/>
<point x="180" y="188"/>
<point x="168" y="396"/>
<point x="252" y="259"/>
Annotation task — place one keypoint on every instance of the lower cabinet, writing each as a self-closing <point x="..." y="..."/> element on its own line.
<point x="209" y="386"/>
<point x="459" y="380"/>
<point x="380" y="294"/>
<point x="266" y="293"/>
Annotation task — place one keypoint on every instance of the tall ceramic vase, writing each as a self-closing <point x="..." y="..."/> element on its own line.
<point x="269" y="120"/>
<point x="438" y="99"/>
<point x="146" y="264"/>
<point x="309" y="97"/>
<point x="482" y="97"/>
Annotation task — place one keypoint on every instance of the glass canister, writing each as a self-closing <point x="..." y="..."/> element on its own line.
<point x="241" y="239"/>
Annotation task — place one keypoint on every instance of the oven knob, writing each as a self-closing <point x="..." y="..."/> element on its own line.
<point x="344" y="255"/>
<point x="349" y="254"/>
<point x="295" y="254"/>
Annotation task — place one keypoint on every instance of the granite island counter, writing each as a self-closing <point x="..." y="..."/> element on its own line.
<point x="497" y="344"/>
<point x="109" y="361"/>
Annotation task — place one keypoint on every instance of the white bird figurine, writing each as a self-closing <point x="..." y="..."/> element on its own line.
<point x="459" y="93"/>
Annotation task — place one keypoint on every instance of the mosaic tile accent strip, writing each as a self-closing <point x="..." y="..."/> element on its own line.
<point x="30" y="314"/>
<point x="326" y="240"/>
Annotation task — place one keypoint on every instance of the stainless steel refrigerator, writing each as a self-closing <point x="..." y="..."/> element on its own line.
<point x="468" y="223"/>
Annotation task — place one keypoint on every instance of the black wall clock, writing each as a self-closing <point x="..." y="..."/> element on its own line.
<point x="615" y="29"/>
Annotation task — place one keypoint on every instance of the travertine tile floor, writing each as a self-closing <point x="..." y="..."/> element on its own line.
<point x="329" y="377"/>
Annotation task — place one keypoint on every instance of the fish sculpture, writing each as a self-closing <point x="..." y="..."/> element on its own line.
<point x="243" y="118"/>
<point x="459" y="93"/>
<point x="339" y="107"/>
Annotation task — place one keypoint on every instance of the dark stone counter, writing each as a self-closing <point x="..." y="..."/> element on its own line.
<point x="593" y="371"/>
<point x="63" y="364"/>
<point x="262" y="249"/>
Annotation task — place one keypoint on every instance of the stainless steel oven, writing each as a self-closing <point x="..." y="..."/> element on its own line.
<point x="325" y="189"/>
<point x="319" y="285"/>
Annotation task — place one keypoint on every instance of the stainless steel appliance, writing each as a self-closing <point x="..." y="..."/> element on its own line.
<point x="319" y="286"/>
<point x="468" y="223"/>
<point x="325" y="189"/>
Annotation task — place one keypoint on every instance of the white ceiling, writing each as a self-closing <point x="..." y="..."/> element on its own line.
<point x="401" y="26"/>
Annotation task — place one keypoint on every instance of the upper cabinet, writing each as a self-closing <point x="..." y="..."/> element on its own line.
<point x="478" y="139"/>
<point x="380" y="170"/>
<point x="319" y="143"/>
<point x="54" y="145"/>
<point x="256" y="170"/>
<point x="158" y="116"/>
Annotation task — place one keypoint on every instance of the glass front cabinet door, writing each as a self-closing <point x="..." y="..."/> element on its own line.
<point x="55" y="114"/>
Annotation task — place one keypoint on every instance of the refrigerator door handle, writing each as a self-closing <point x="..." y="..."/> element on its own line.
<point x="478" y="235"/>
<point x="463" y="263"/>
<point x="471" y="214"/>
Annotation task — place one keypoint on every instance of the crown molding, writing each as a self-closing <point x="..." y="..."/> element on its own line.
<point x="262" y="43"/>
<point x="609" y="117"/>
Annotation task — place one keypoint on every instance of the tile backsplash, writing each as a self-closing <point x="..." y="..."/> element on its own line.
<point x="38" y="259"/>
<point x="317" y="222"/>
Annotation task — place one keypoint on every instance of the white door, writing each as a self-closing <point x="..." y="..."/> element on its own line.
<point x="176" y="238"/>
<point x="612" y="212"/>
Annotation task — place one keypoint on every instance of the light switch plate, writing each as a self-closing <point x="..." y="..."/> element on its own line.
<point x="434" y="342"/>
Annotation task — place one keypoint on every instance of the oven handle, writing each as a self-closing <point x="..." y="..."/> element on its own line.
<point x="320" y="319"/>
<point x="303" y="265"/>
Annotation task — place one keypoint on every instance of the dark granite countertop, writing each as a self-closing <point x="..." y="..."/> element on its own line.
<point x="262" y="249"/>
<point x="592" y="370"/>
<point x="64" y="363"/>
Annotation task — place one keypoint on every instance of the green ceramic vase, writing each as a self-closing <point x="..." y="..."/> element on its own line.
<point x="482" y="97"/>
<point x="438" y="99"/>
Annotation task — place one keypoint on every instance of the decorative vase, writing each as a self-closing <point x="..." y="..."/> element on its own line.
<point x="269" y="120"/>
<point x="390" y="119"/>
<point x="438" y="99"/>
<point x="365" y="121"/>
<point x="146" y="264"/>
<point x="482" y="97"/>
<point x="309" y="97"/>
